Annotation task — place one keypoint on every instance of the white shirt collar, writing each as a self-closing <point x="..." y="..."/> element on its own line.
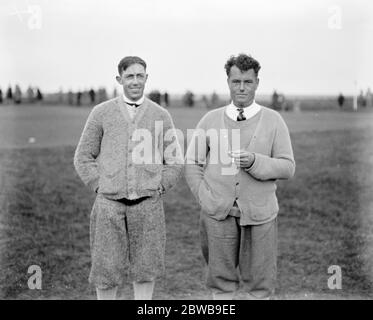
<point x="249" y="112"/>
<point x="140" y="101"/>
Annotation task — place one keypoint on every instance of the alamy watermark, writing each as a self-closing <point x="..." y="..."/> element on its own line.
<point x="146" y="147"/>
<point x="335" y="17"/>
<point x="33" y="14"/>
<point x="335" y="280"/>
<point x="35" y="280"/>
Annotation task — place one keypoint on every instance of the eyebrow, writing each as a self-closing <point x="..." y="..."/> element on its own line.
<point x="134" y="74"/>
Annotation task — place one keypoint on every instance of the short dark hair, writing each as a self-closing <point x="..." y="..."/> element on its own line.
<point x="128" y="61"/>
<point x="243" y="62"/>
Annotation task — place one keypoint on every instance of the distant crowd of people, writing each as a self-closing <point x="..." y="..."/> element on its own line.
<point x="16" y="96"/>
<point x="158" y="97"/>
<point x="363" y="100"/>
<point x="80" y="97"/>
<point x="70" y="97"/>
<point x="279" y="102"/>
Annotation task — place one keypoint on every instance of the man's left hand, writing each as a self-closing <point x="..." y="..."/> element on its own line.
<point x="161" y="190"/>
<point x="243" y="159"/>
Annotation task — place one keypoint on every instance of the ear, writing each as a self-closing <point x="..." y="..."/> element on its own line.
<point x="119" y="79"/>
<point x="146" y="77"/>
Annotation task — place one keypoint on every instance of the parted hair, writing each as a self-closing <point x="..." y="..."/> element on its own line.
<point x="243" y="62"/>
<point x="128" y="61"/>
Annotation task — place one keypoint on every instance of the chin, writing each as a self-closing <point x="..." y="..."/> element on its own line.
<point x="135" y="97"/>
<point x="238" y="101"/>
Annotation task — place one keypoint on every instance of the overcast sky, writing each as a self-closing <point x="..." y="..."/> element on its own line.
<point x="304" y="47"/>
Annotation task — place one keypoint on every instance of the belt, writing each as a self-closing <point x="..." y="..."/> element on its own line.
<point x="131" y="202"/>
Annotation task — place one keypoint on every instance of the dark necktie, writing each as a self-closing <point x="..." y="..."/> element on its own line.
<point x="240" y="116"/>
<point x="133" y="104"/>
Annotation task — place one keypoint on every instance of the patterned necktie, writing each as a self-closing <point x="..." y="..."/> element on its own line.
<point x="240" y="116"/>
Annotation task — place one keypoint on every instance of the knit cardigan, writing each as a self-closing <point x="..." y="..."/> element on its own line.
<point x="217" y="185"/>
<point x="120" y="157"/>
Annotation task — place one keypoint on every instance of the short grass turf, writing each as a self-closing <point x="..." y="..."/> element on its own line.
<point x="325" y="219"/>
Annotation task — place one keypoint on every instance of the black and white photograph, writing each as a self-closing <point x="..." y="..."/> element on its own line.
<point x="186" y="150"/>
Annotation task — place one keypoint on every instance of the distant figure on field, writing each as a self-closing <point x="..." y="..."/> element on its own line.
<point x="369" y="98"/>
<point x="9" y="94"/>
<point x="115" y="93"/>
<point x="60" y="96"/>
<point x="79" y="98"/>
<point x="166" y="99"/>
<point x="17" y="97"/>
<point x="205" y="102"/>
<point x="275" y="101"/>
<point x="214" y="100"/>
<point x="1" y="96"/>
<point x="282" y="101"/>
<point x="155" y="96"/>
<point x="188" y="99"/>
<point x="70" y="98"/>
<point x="361" y="102"/>
<point x="39" y="96"/>
<point x="341" y="100"/>
<point x="30" y="95"/>
<point x="92" y="96"/>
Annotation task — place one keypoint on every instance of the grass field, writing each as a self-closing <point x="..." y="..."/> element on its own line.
<point x="325" y="218"/>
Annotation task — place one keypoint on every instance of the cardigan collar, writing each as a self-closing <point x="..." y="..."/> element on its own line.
<point x="139" y="101"/>
<point x="139" y="114"/>
<point x="256" y="131"/>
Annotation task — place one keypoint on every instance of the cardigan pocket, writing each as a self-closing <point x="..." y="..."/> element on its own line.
<point x="150" y="176"/>
<point x="213" y="205"/>
<point x="262" y="206"/>
<point x="110" y="168"/>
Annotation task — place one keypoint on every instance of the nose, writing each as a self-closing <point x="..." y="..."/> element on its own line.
<point x="135" y="80"/>
<point x="242" y="87"/>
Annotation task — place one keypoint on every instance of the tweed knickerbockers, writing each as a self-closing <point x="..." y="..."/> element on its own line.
<point x="126" y="239"/>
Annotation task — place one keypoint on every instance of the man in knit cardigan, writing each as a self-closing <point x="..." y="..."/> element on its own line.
<point x="232" y="163"/>
<point x="129" y="155"/>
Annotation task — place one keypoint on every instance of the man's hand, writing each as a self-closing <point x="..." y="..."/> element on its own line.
<point x="243" y="159"/>
<point x="161" y="190"/>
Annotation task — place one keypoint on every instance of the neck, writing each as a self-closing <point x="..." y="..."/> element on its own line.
<point x="132" y="100"/>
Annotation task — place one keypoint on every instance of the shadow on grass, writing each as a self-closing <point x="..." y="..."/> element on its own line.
<point x="45" y="222"/>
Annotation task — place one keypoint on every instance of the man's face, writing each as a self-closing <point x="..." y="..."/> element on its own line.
<point x="133" y="81"/>
<point x="242" y="86"/>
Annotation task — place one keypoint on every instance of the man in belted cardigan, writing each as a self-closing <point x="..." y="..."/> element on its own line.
<point x="129" y="155"/>
<point x="232" y="163"/>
